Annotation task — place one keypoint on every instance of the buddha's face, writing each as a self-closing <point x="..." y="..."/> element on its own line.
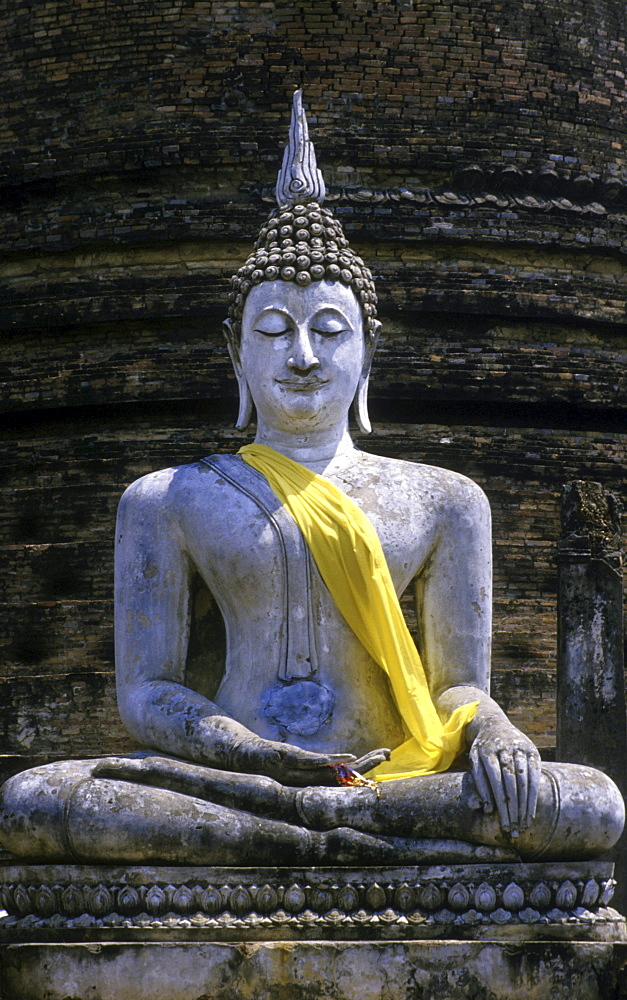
<point x="302" y="353"/>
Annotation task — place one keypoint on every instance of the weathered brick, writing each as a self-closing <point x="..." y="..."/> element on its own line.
<point x="467" y="154"/>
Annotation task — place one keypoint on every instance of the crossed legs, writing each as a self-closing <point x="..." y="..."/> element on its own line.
<point x="156" y="809"/>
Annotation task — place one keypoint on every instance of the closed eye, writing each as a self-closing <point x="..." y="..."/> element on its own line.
<point x="330" y="331"/>
<point x="272" y="333"/>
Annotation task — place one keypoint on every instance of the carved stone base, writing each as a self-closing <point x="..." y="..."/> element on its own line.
<point x="503" y="932"/>
<point x="314" y="970"/>
<point x="550" y="901"/>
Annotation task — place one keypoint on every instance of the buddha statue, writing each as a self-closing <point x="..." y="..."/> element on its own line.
<point x="331" y="738"/>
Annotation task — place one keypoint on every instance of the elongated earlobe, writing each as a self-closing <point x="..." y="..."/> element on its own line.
<point x="360" y="403"/>
<point x="245" y="398"/>
<point x="361" y="406"/>
<point x="245" y="405"/>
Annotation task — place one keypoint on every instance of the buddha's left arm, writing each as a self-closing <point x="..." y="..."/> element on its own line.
<point x="454" y="605"/>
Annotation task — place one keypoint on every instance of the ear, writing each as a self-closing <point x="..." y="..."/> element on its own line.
<point x="245" y="399"/>
<point x="360" y="404"/>
<point x="232" y="345"/>
<point x="371" y="346"/>
<point x="361" y="396"/>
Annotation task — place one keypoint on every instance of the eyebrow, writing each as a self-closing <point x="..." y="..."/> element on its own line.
<point x="270" y="311"/>
<point x="285" y="314"/>
<point x="332" y="309"/>
<point x="274" y="309"/>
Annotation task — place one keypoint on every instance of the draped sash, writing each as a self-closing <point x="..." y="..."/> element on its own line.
<point x="351" y="562"/>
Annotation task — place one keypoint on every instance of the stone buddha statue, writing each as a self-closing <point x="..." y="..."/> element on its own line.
<point x="329" y="739"/>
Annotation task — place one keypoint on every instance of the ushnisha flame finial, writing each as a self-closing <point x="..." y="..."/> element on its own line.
<point x="299" y="178"/>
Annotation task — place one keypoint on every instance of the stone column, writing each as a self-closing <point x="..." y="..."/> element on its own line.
<point x="591" y="719"/>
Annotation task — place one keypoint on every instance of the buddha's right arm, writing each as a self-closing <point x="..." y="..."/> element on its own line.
<point x="152" y="585"/>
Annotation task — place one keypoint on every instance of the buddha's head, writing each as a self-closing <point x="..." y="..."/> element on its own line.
<point x="302" y="324"/>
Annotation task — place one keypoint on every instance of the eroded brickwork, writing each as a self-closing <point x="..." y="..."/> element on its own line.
<point x="475" y="154"/>
<point x="427" y="83"/>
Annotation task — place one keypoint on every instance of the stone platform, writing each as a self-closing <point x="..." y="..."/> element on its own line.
<point x="532" y="931"/>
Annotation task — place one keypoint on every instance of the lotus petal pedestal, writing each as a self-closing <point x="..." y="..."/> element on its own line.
<point x="165" y="933"/>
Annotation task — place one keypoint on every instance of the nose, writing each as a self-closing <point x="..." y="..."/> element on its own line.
<point x="302" y="358"/>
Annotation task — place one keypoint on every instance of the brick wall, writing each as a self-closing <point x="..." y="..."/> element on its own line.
<point x="475" y="154"/>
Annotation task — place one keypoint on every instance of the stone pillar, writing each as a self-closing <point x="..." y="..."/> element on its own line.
<point x="591" y="719"/>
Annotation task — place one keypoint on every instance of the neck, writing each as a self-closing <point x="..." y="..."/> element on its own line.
<point x="316" y="450"/>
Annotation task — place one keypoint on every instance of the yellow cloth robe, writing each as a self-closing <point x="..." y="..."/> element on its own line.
<point x="349" y="557"/>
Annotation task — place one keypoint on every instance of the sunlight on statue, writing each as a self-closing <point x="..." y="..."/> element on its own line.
<point x="331" y="739"/>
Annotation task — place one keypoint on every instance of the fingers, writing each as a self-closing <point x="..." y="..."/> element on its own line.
<point x="535" y="772"/>
<point x="510" y="785"/>
<point x="492" y="763"/>
<point x="370" y="760"/>
<point x="305" y="759"/>
<point x="509" y="780"/>
<point x="291" y="756"/>
<point x="528" y="770"/>
<point x="482" y="782"/>
<point x="521" y="771"/>
<point x="294" y="766"/>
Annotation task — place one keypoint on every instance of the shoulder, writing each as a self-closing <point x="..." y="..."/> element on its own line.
<point x="448" y="490"/>
<point x="167" y="490"/>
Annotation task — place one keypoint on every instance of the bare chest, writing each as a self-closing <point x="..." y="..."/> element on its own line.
<point x="289" y="648"/>
<point x="242" y="538"/>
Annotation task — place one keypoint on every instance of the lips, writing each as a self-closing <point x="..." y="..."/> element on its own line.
<point x="302" y="384"/>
